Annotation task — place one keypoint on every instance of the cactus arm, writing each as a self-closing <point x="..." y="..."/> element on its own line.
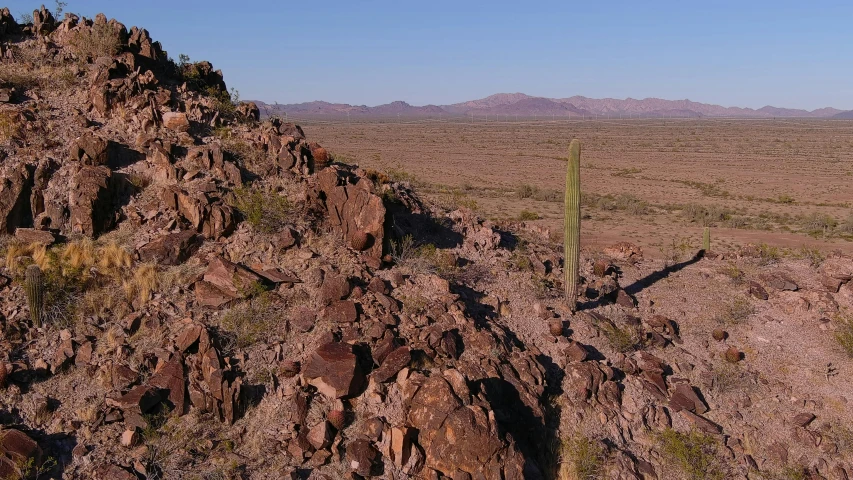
<point x="34" y="286"/>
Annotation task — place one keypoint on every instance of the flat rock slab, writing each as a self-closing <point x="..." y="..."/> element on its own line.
<point x="334" y="370"/>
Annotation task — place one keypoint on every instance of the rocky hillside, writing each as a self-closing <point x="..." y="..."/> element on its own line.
<point x="189" y="293"/>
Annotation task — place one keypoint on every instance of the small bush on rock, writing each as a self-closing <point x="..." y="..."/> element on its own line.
<point x="265" y="210"/>
<point x="694" y="453"/>
<point x="102" y="40"/>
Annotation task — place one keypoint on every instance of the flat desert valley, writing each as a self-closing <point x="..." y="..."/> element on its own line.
<point x="654" y="182"/>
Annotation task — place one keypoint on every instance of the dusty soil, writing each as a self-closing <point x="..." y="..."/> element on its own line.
<point x="765" y="181"/>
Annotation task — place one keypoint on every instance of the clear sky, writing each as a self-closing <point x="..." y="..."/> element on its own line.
<point x="746" y="53"/>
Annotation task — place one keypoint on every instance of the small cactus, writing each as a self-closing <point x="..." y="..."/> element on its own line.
<point x="337" y="418"/>
<point x="733" y="355"/>
<point x="34" y="286"/>
<point x="706" y="239"/>
<point x="719" y="334"/>
<point x="572" y="232"/>
<point x="360" y="240"/>
<point x="555" y="326"/>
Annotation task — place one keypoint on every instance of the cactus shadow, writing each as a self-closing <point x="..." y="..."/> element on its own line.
<point x="661" y="274"/>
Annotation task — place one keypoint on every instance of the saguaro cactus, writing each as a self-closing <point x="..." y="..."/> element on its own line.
<point x="706" y="240"/>
<point x="34" y="285"/>
<point x="572" y="233"/>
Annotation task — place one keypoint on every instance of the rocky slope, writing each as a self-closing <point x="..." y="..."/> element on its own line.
<point x="224" y="300"/>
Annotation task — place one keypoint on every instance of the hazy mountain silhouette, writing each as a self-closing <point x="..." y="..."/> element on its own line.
<point x="520" y="104"/>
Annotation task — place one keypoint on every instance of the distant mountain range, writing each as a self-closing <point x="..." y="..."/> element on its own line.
<point x="511" y="104"/>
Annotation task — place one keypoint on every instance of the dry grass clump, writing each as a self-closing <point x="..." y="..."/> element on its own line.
<point x="85" y="278"/>
<point x="142" y="285"/>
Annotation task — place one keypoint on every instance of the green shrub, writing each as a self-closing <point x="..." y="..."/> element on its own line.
<point x="694" y="453"/>
<point x="528" y="215"/>
<point x="736" y="311"/>
<point x="581" y="458"/>
<point x="265" y="210"/>
<point x="251" y="321"/>
<point x="844" y="334"/>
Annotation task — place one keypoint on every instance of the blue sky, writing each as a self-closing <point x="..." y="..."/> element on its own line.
<point x="735" y="53"/>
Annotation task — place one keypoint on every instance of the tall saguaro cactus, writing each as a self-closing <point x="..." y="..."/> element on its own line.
<point x="572" y="233"/>
<point x="706" y="240"/>
<point x="34" y="285"/>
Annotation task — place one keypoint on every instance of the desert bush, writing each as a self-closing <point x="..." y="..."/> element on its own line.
<point x="623" y="339"/>
<point x="677" y="250"/>
<point x="265" y="210"/>
<point x="736" y="311"/>
<point x="248" y="156"/>
<point x="251" y="321"/>
<point x="101" y="40"/>
<point x="694" y="453"/>
<point x="581" y="458"/>
<point x="525" y="191"/>
<point x="10" y="125"/>
<point x="526" y="215"/>
<point x="819" y="224"/>
<point x="706" y="215"/>
<point x="734" y="273"/>
<point x="143" y="284"/>
<point x="812" y="254"/>
<point x="846" y="226"/>
<point x="622" y="202"/>
<point x="844" y="333"/>
<point x="424" y="258"/>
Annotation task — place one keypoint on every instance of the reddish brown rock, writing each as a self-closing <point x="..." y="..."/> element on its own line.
<point x="362" y="457"/>
<point x="176" y="121"/>
<point x="335" y="287"/>
<point x="90" y="149"/>
<point x="685" y="398"/>
<point x="171" y="249"/>
<point x="832" y="285"/>
<point x="343" y="311"/>
<point x="334" y="370"/>
<point x="16" y="450"/>
<point x="353" y="209"/>
<point x="139" y="399"/>
<point x="31" y="235"/>
<point x="230" y="278"/>
<point x="171" y="377"/>
<point x="393" y="363"/>
<point x="90" y="200"/>
<point x="555" y="326"/>
<point x="377" y="285"/>
<point x="624" y="300"/>
<point x="576" y="352"/>
<point x="321" y="435"/>
<point x="803" y="419"/>
<point x="757" y="291"/>
<point x="702" y="423"/>
<point x="14" y="184"/>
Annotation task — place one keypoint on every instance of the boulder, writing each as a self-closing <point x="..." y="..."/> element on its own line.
<point x="170" y="249"/>
<point x="362" y="457"/>
<point x="15" y="184"/>
<point x="90" y="149"/>
<point x="91" y="200"/>
<point x="171" y="377"/>
<point x="393" y="363"/>
<point x="31" y="235"/>
<point x="16" y="450"/>
<point x="334" y="370"/>
<point x="176" y="121"/>
<point x="352" y="207"/>
<point x="250" y="111"/>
